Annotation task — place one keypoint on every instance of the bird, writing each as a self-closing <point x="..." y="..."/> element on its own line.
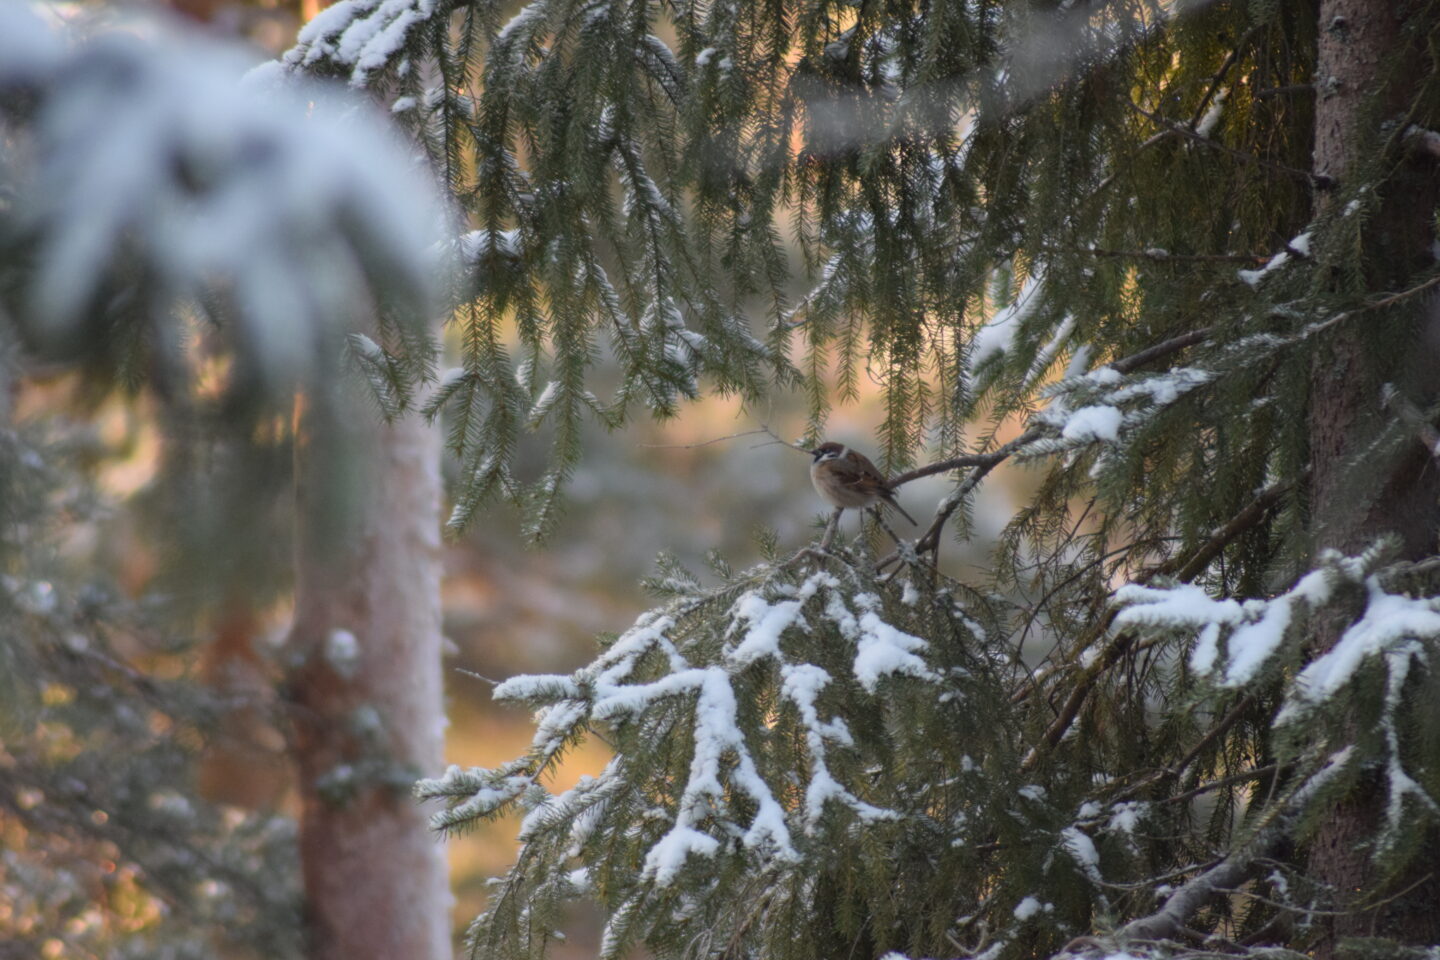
<point x="846" y="478"/>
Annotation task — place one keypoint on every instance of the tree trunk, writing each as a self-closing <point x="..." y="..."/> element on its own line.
<point x="1354" y="499"/>
<point x="366" y="689"/>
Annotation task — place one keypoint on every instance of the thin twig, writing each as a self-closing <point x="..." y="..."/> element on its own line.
<point x="1162" y="256"/>
<point x="1319" y="181"/>
<point x="1219" y="78"/>
<point x="1267" y="92"/>
<point x="705" y="443"/>
<point x="1248" y="517"/>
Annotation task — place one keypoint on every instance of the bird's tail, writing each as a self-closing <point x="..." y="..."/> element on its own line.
<point x="890" y="499"/>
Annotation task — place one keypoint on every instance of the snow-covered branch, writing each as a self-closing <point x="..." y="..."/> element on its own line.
<point x="154" y="179"/>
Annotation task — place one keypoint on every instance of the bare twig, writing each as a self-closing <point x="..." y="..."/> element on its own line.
<point x="1318" y="181"/>
<point x="763" y="428"/>
<point x="1266" y="92"/>
<point x="1163" y="256"/>
<point x="941" y="466"/>
<point x="1162" y="349"/>
<point x="1253" y="513"/>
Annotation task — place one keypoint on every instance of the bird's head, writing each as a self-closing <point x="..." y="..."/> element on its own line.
<point x="827" y="451"/>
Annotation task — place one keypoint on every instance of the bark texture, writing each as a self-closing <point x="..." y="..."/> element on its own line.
<point x="1357" y="498"/>
<point x="369" y="715"/>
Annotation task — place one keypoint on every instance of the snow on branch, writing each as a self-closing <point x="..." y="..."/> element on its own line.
<point x="155" y="177"/>
<point x="1098" y="406"/>
<point x="661" y="672"/>
<point x="997" y="337"/>
<point x="1296" y="249"/>
<point x="1235" y="641"/>
<point x="357" y="37"/>
<point x="1387" y="627"/>
<point x="1253" y="630"/>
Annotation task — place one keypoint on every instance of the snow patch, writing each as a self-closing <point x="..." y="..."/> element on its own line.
<point x="998" y="336"/>
<point x="1098" y="422"/>
<point x="882" y="650"/>
<point x="1299" y="245"/>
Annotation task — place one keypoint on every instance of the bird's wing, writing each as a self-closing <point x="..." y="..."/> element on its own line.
<point x="866" y="476"/>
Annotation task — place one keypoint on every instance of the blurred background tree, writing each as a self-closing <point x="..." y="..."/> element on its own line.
<point x="209" y="253"/>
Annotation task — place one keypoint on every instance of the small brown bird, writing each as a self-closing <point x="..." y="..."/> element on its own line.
<point x="847" y="478"/>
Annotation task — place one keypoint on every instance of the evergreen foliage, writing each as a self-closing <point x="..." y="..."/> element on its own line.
<point x="1096" y="220"/>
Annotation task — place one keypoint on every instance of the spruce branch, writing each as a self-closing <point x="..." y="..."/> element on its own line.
<point x="1213" y="86"/>
<point x="1318" y="181"/>
<point x="1116" y="650"/>
<point x="1162" y="349"/>
<point x="1203" y="744"/>
<point x="1187" y="569"/>
<point x="1274" y="827"/>
<point x="1156" y="255"/>
<point x="1242" y="776"/>
<point x="983" y="463"/>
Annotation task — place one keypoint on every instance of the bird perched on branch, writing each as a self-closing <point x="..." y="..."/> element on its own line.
<point x="846" y="478"/>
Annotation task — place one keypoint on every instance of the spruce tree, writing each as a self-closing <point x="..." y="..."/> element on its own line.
<point x="1101" y="221"/>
